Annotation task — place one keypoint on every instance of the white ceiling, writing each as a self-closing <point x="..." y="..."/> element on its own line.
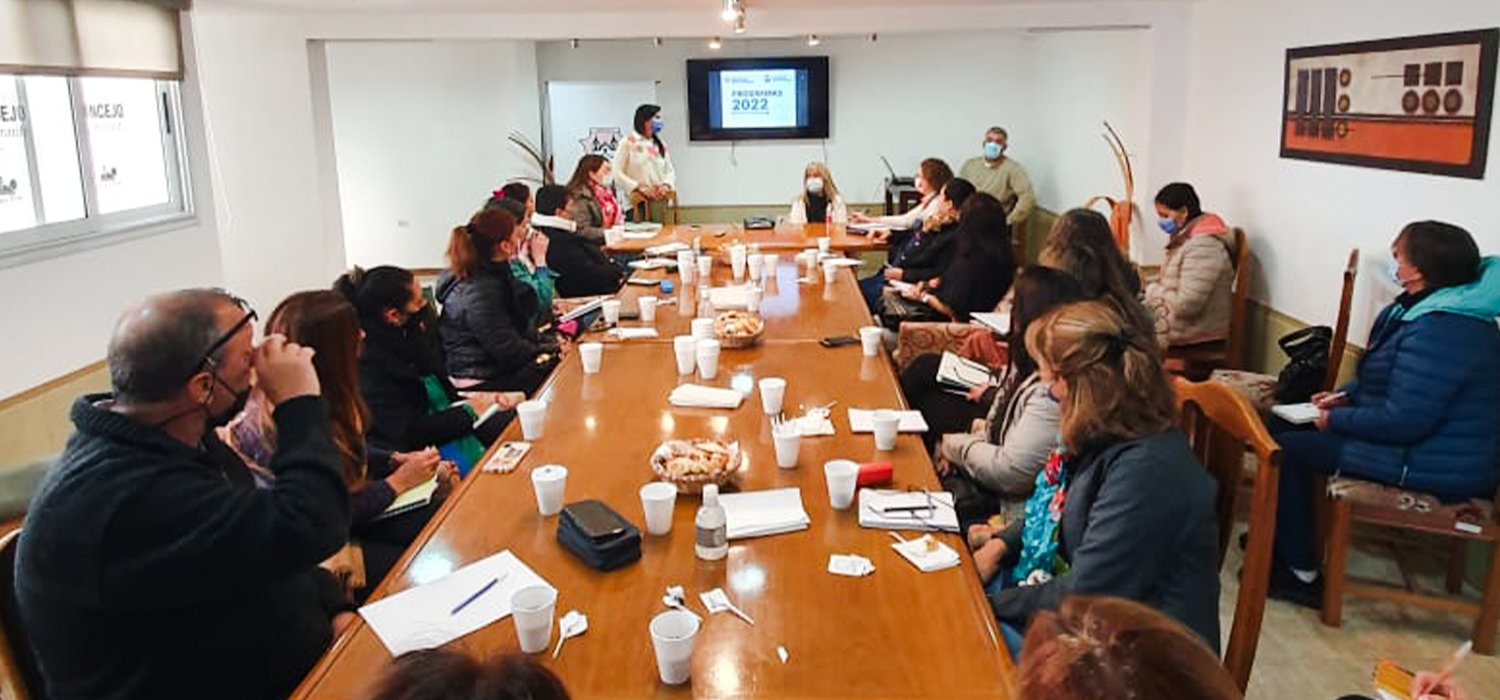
<point x="612" y="6"/>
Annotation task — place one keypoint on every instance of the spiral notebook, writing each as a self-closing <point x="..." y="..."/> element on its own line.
<point x="413" y="499"/>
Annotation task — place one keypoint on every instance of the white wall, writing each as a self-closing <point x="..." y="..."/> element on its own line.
<point x="419" y="129"/>
<point x="905" y="97"/>
<point x="60" y="311"/>
<point x="1303" y="217"/>
<point x="258" y="107"/>
<point x="1084" y="79"/>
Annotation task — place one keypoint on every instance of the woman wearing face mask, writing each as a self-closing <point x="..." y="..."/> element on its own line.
<point x="977" y="279"/>
<point x="412" y="405"/>
<point x="1191" y="298"/>
<point x="487" y="314"/>
<point x="932" y="175"/>
<point x="820" y="201"/>
<point x="591" y="198"/>
<point x="530" y="264"/>
<point x="1422" y="410"/>
<point x="642" y="167"/>
<point x="1122" y="507"/>
<point x="326" y="322"/>
<point x="927" y="253"/>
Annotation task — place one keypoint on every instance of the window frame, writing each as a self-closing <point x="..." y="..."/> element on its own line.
<point x="22" y="246"/>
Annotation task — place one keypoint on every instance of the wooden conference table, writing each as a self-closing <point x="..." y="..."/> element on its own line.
<point x="784" y="237"/>
<point x="897" y="633"/>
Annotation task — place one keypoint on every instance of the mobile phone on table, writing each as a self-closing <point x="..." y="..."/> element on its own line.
<point x="835" y="341"/>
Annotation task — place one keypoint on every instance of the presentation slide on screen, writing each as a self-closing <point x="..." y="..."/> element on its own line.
<point x="760" y="99"/>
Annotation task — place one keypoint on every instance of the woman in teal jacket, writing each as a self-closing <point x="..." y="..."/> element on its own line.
<point x="1424" y="410"/>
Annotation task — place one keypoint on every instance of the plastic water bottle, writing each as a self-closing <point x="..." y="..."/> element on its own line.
<point x="712" y="541"/>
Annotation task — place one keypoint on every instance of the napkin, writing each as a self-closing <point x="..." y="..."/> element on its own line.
<point x="653" y="263"/>
<point x="841" y="262"/>
<point x="734" y="297"/>
<point x="850" y="565"/>
<point x="863" y="421"/>
<point x="815" y="423"/>
<point x="916" y="551"/>
<point x="633" y="333"/>
<point x="699" y="396"/>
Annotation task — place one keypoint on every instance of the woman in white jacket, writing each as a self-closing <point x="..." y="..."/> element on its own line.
<point x="820" y="201"/>
<point x="993" y="468"/>
<point x="642" y="167"/>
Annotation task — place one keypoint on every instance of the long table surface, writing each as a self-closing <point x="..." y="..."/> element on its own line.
<point x="793" y="307"/>
<point x="784" y="237"/>
<point x="897" y="633"/>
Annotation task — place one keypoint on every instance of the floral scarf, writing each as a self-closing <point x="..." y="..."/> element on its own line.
<point x="1039" y="536"/>
<point x="605" y="196"/>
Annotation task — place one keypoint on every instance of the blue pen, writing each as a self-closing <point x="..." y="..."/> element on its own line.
<point x="476" y="595"/>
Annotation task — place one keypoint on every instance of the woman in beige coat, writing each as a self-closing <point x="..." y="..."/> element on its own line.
<point x="1191" y="298"/>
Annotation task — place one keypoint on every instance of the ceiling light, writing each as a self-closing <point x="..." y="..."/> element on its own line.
<point x="573" y="43"/>
<point x="732" y="9"/>
<point x="656" y="41"/>
<point x="813" y="40"/>
<point x="715" y="44"/>
<point x="874" y="38"/>
<point x="739" y="25"/>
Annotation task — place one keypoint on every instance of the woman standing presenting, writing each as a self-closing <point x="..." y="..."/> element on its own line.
<point x="642" y="167"/>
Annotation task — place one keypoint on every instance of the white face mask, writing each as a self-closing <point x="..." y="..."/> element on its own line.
<point x="815" y="185"/>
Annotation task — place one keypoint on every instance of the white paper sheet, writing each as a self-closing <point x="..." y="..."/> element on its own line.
<point x="862" y="420"/>
<point x="423" y="617"/>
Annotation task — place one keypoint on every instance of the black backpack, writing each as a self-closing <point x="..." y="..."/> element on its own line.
<point x="1307" y="355"/>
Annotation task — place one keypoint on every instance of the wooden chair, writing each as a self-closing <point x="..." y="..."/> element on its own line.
<point x="20" y="679"/>
<point x="1258" y="388"/>
<point x="1352" y="500"/>
<point x="1222" y="426"/>
<point x="642" y="212"/>
<point x="1200" y="359"/>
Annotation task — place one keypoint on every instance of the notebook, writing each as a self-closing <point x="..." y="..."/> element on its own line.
<point x="442" y="610"/>
<point x="1296" y="413"/>
<point x="413" y="499"/>
<point x="996" y="321"/>
<point x="889" y="509"/>
<point x="960" y="373"/>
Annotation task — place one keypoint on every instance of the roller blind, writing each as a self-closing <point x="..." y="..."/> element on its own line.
<point x="92" y="37"/>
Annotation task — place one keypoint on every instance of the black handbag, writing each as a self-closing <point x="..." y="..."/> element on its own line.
<point x="1307" y="363"/>
<point x="598" y="535"/>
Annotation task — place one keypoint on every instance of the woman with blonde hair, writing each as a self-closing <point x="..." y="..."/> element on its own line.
<point x="1122" y="508"/>
<point x="819" y="201"/>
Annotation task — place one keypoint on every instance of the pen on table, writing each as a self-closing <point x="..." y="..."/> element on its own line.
<point x="482" y="590"/>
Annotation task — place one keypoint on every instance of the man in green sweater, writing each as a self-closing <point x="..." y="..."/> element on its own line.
<point x="1001" y="176"/>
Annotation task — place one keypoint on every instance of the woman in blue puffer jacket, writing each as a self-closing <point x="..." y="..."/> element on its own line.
<point x="1424" y="410"/>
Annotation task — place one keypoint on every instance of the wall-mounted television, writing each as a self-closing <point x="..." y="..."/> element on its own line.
<point x="738" y="99"/>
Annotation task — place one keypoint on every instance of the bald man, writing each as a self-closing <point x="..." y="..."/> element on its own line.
<point x="150" y="565"/>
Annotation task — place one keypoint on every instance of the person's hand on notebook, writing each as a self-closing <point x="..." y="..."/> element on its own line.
<point x="977" y="392"/>
<point x="894" y="273"/>
<point x="1330" y="399"/>
<point x="1429" y="685"/>
<point x="412" y="469"/>
<point x="1321" y="422"/>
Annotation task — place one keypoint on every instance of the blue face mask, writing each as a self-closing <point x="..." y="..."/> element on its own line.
<point x="1396" y="275"/>
<point x="1168" y="225"/>
<point x="656" y="125"/>
<point x="993" y="151"/>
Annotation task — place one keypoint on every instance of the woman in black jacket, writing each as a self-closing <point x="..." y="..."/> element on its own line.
<point x="1122" y="508"/>
<point x="980" y="274"/>
<point x="581" y="266"/>
<point x="486" y="323"/>
<point x="401" y="375"/>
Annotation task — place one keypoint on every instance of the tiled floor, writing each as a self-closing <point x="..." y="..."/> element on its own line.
<point x="1299" y="658"/>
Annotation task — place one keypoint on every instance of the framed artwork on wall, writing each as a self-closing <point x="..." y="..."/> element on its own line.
<point x="1419" y="103"/>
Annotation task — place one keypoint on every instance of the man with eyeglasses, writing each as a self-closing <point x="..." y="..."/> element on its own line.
<point x="150" y="566"/>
